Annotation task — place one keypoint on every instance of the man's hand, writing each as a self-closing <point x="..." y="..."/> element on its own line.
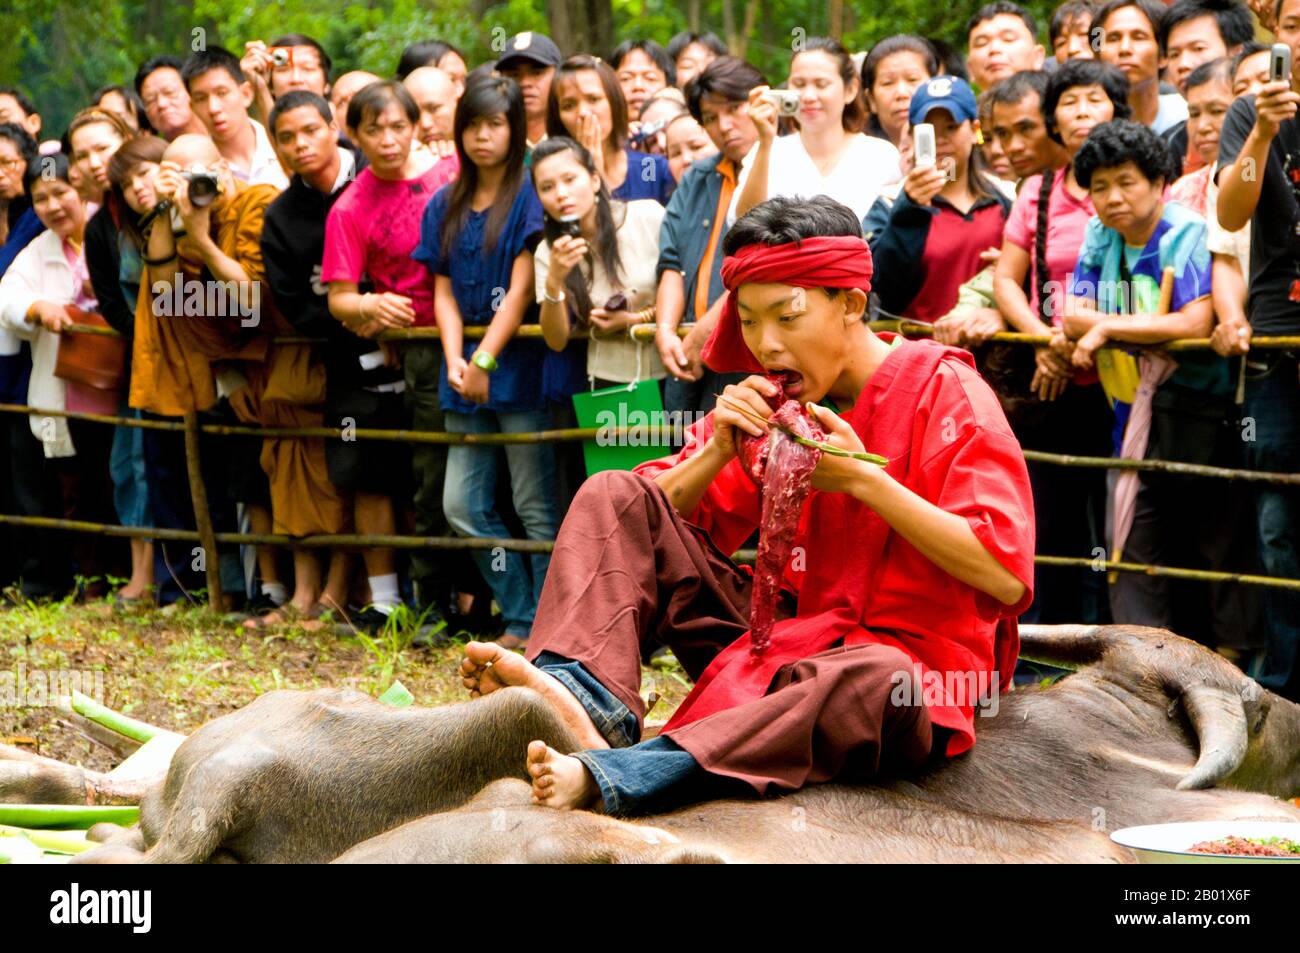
<point x="729" y="423"/>
<point x="923" y="183"/>
<point x="52" y="317"/>
<point x="390" y="310"/>
<point x="169" y="182"/>
<point x="244" y="405"/>
<point x="256" y="64"/>
<point x="764" y="115"/>
<point x="836" y="474"/>
<point x="1231" y="337"/>
<point x="672" y="352"/>
<point x="971" y="329"/>
<point x="392" y="353"/>
<point x="1051" y="374"/>
<point x="1275" y="103"/>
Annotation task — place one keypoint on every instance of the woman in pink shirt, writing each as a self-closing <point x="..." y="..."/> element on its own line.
<point x="1063" y="411"/>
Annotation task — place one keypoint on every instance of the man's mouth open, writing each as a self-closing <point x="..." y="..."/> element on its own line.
<point x="790" y="380"/>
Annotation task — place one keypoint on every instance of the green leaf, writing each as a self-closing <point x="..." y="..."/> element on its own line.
<point x="397" y="695"/>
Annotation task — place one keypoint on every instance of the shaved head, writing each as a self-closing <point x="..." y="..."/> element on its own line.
<point x="434" y="92"/>
<point x="347" y="86"/>
<point x="191" y="149"/>
<point x="429" y="82"/>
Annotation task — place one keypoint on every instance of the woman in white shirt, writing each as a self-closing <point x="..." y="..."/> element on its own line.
<point x="603" y="278"/>
<point x="47" y="276"/>
<point x="829" y="155"/>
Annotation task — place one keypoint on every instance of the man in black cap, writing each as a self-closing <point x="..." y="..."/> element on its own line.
<point x="530" y="60"/>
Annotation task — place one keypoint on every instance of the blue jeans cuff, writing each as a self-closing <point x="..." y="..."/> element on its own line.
<point x="610" y="716"/>
<point x="608" y="791"/>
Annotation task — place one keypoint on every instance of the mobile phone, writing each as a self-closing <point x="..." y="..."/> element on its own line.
<point x="1279" y="63"/>
<point x="923" y="149"/>
<point x="569" y="225"/>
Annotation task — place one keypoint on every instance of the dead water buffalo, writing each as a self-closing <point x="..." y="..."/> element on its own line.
<point x="1150" y="727"/>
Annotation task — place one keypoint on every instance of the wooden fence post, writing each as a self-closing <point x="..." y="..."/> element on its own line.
<point x="202" y="518"/>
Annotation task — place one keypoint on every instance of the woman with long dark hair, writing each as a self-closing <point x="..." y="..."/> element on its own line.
<point x="588" y="106"/>
<point x="1065" y="411"/>
<point x="601" y="280"/>
<point x="477" y="238"/>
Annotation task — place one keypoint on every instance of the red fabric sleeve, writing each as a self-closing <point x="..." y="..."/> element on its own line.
<point x="730" y="509"/>
<point x="982" y="476"/>
<point x="344" y="256"/>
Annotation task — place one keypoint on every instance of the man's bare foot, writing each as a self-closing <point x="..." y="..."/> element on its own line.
<point x="488" y="667"/>
<point x="560" y="780"/>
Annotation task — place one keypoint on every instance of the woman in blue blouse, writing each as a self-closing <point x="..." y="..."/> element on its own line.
<point x="587" y="105"/>
<point x="477" y="238"/>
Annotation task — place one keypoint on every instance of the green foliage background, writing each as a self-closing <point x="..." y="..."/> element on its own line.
<point x="60" y="51"/>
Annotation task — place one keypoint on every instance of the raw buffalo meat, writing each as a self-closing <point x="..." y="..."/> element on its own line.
<point x="783" y="469"/>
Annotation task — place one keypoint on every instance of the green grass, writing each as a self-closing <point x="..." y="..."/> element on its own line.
<point x="181" y="666"/>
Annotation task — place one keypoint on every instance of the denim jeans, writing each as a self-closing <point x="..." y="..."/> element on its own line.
<point x="470" y="504"/>
<point x="127" y="470"/>
<point x="1273" y="407"/>
<point x="634" y="777"/>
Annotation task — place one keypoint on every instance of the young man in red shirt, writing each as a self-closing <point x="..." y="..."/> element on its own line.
<point x="903" y="588"/>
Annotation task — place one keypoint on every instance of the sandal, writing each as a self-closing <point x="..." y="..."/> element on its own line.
<point x="509" y="641"/>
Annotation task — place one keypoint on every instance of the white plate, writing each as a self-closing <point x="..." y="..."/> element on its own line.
<point x="1169" y="843"/>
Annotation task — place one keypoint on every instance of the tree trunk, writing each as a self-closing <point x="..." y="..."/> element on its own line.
<point x="693" y="16"/>
<point x="835" y="29"/>
<point x="582" y="26"/>
<point x="751" y="15"/>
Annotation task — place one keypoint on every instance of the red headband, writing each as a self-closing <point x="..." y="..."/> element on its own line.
<point x="832" y="261"/>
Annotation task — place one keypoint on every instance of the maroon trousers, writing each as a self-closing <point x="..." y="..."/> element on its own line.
<point x="629" y="574"/>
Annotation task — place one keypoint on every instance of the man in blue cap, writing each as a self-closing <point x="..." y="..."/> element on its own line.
<point x="948" y="218"/>
<point x="530" y="60"/>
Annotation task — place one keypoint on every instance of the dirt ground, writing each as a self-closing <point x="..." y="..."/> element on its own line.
<point x="183" y="666"/>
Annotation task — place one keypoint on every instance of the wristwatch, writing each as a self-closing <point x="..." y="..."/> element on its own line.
<point x="484" y="360"/>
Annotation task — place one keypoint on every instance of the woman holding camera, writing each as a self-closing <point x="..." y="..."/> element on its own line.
<point x="829" y="155"/>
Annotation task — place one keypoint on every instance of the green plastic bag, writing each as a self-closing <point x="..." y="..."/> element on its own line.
<point x="638" y="404"/>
